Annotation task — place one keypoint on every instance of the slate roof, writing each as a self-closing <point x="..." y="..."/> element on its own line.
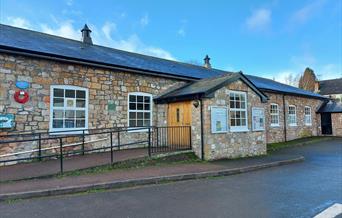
<point x="332" y="86"/>
<point x="331" y="107"/>
<point x="206" y="87"/>
<point x="273" y="86"/>
<point x="32" y="42"/>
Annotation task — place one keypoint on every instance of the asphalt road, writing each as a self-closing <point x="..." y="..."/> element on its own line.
<point x="297" y="190"/>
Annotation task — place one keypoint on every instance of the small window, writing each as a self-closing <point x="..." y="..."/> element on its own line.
<point x="292" y="116"/>
<point x="69" y="108"/>
<point x="307" y="116"/>
<point x="139" y="109"/>
<point x="238" y="111"/>
<point x="274" y="114"/>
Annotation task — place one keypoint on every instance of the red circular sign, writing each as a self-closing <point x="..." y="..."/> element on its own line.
<point x="21" y="96"/>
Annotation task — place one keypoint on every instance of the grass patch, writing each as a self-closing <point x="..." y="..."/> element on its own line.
<point x="136" y="164"/>
<point x="296" y="142"/>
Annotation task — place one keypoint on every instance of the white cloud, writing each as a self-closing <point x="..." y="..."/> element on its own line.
<point x="181" y="32"/>
<point x="69" y="2"/>
<point x="144" y="21"/>
<point x="108" y="28"/>
<point x="104" y="36"/>
<point x="18" y="22"/>
<point x="259" y="20"/>
<point x="63" y="29"/>
<point x="303" y="14"/>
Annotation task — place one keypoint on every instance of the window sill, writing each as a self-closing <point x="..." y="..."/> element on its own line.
<point x="68" y="132"/>
<point x="138" y="129"/>
<point x="275" y="126"/>
<point x="239" y="130"/>
<point x="308" y="124"/>
<point x="293" y="125"/>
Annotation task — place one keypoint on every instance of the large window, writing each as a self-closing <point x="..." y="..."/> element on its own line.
<point x="139" y="109"/>
<point x="274" y="114"/>
<point x="307" y="116"/>
<point x="238" y="111"/>
<point x="68" y="108"/>
<point x="292" y="116"/>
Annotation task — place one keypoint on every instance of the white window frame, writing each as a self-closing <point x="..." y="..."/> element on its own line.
<point x="136" y="129"/>
<point x="289" y="115"/>
<point x="307" y="116"/>
<point x="274" y="114"/>
<point x="69" y="130"/>
<point x="238" y="128"/>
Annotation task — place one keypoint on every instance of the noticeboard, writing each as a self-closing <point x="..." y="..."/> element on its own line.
<point x="6" y="121"/>
<point x="219" y="119"/>
<point x="258" y="119"/>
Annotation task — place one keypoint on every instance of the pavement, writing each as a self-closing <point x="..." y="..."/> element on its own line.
<point x="136" y="176"/>
<point x="52" y="167"/>
<point x="296" y="190"/>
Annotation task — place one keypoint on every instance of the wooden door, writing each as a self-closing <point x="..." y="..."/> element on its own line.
<point x="179" y="122"/>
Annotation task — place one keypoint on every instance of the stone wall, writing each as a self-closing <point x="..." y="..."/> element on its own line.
<point x="336" y="119"/>
<point x="232" y="144"/>
<point x="276" y="133"/>
<point x="104" y="85"/>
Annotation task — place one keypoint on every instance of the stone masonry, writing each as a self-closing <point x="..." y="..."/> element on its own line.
<point x="103" y="85"/>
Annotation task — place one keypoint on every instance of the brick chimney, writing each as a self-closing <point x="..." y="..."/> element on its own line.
<point x="207" y="62"/>
<point x="86" y="35"/>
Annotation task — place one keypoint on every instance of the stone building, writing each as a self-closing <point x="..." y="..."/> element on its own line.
<point x="57" y="84"/>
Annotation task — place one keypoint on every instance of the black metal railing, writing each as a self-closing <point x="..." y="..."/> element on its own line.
<point x="157" y="140"/>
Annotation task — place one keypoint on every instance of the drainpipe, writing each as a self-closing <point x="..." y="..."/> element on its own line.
<point x="202" y="136"/>
<point x="284" y="110"/>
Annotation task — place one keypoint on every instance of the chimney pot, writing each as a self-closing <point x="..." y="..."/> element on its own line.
<point x="207" y="62"/>
<point x="86" y="35"/>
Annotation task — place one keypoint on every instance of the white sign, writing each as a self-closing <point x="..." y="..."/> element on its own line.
<point x="258" y="119"/>
<point x="219" y="119"/>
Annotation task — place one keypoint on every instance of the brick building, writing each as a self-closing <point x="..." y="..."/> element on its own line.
<point x="57" y="84"/>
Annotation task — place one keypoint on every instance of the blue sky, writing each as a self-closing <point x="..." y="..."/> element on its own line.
<point x="273" y="39"/>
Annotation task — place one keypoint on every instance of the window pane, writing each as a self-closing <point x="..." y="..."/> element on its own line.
<point x="132" y="115"/>
<point x="70" y="102"/>
<point x="80" y="103"/>
<point x="132" y="123"/>
<point x="132" y="106"/>
<point x="242" y="97"/>
<point x="57" y="123"/>
<point x="58" y="114"/>
<point x="232" y="104"/>
<point x="140" y="115"/>
<point x="80" y="114"/>
<point x="233" y="114"/>
<point x="238" y="123"/>
<point x="80" y="123"/>
<point x="69" y="114"/>
<point x="58" y="102"/>
<point x="147" y="107"/>
<point x="140" y="98"/>
<point x="140" y="106"/>
<point x="69" y="123"/>
<point x="80" y="94"/>
<point x="147" y="115"/>
<point x="243" y="114"/>
<point x="140" y="123"/>
<point x="146" y="122"/>
<point x="58" y="92"/>
<point x="243" y="105"/>
<point x="132" y="98"/>
<point x="69" y="93"/>
<point x="146" y="99"/>
<point x="243" y="122"/>
<point x="232" y="122"/>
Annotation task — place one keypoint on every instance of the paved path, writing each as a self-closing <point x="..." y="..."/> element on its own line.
<point x="50" y="167"/>
<point x="297" y="190"/>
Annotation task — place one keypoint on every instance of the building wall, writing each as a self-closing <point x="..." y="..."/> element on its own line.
<point x="103" y="85"/>
<point x="276" y="133"/>
<point x="336" y="119"/>
<point x="232" y="144"/>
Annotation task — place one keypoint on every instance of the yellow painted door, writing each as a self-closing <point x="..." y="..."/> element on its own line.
<point x="179" y="120"/>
